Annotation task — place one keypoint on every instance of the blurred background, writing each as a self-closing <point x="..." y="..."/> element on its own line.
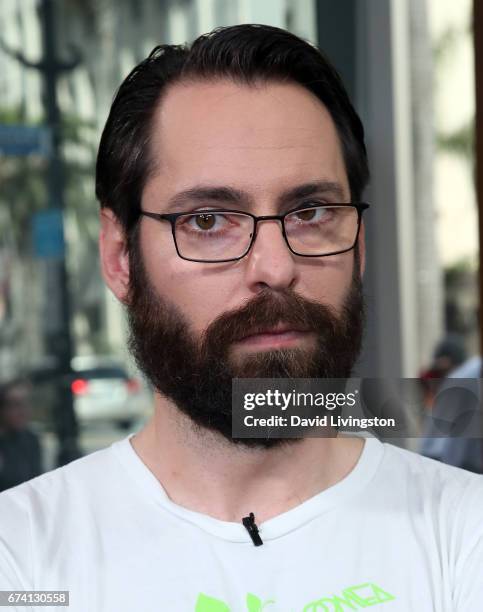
<point x="409" y="68"/>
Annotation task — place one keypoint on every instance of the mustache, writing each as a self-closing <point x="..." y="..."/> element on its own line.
<point x="267" y="310"/>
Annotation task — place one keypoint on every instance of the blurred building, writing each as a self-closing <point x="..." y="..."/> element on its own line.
<point x="455" y="197"/>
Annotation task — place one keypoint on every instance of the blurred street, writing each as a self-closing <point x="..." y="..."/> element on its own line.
<point x="91" y="439"/>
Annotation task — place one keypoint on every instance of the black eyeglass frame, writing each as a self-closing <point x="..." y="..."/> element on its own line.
<point x="172" y="217"/>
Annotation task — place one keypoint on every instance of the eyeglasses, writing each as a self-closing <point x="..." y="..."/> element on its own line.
<point x="219" y="235"/>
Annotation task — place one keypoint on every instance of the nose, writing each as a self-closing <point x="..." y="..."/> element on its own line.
<point x="270" y="263"/>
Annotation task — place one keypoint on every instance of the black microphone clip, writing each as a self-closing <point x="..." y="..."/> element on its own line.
<point x="250" y="526"/>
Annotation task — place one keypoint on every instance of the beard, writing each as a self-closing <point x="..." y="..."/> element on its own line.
<point x="196" y="372"/>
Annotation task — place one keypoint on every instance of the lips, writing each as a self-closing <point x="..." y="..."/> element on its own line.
<point x="277" y="329"/>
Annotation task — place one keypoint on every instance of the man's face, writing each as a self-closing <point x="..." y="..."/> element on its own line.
<point x="15" y="414"/>
<point x="193" y="324"/>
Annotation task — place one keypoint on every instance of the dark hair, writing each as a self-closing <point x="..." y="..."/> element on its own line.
<point x="245" y="54"/>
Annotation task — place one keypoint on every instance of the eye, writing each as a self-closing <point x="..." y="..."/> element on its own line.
<point x="307" y="215"/>
<point x="315" y="213"/>
<point x="205" y="221"/>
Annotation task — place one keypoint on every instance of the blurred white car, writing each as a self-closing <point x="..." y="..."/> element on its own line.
<point x="103" y="391"/>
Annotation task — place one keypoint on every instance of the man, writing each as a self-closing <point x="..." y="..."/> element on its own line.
<point x="458" y="397"/>
<point x="230" y="175"/>
<point x="20" y="454"/>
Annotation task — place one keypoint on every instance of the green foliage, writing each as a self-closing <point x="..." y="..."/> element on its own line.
<point x="11" y="116"/>
<point x="461" y="141"/>
<point x="23" y="180"/>
<point x="24" y="192"/>
<point x="461" y="268"/>
<point x="446" y="43"/>
<point x="22" y="186"/>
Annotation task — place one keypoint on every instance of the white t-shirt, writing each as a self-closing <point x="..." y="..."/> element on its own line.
<point x="400" y="533"/>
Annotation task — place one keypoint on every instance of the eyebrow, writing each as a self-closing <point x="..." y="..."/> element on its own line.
<point x="229" y="195"/>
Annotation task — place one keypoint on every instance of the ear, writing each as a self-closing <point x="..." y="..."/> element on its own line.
<point x="362" y="248"/>
<point x="113" y="254"/>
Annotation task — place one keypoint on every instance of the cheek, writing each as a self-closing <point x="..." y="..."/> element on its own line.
<point x="200" y="294"/>
<point x="201" y="301"/>
<point x="330" y="283"/>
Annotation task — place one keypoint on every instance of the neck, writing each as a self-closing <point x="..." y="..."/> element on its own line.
<point x="204" y="472"/>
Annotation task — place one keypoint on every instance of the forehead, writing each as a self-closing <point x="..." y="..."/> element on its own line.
<point x="260" y="139"/>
